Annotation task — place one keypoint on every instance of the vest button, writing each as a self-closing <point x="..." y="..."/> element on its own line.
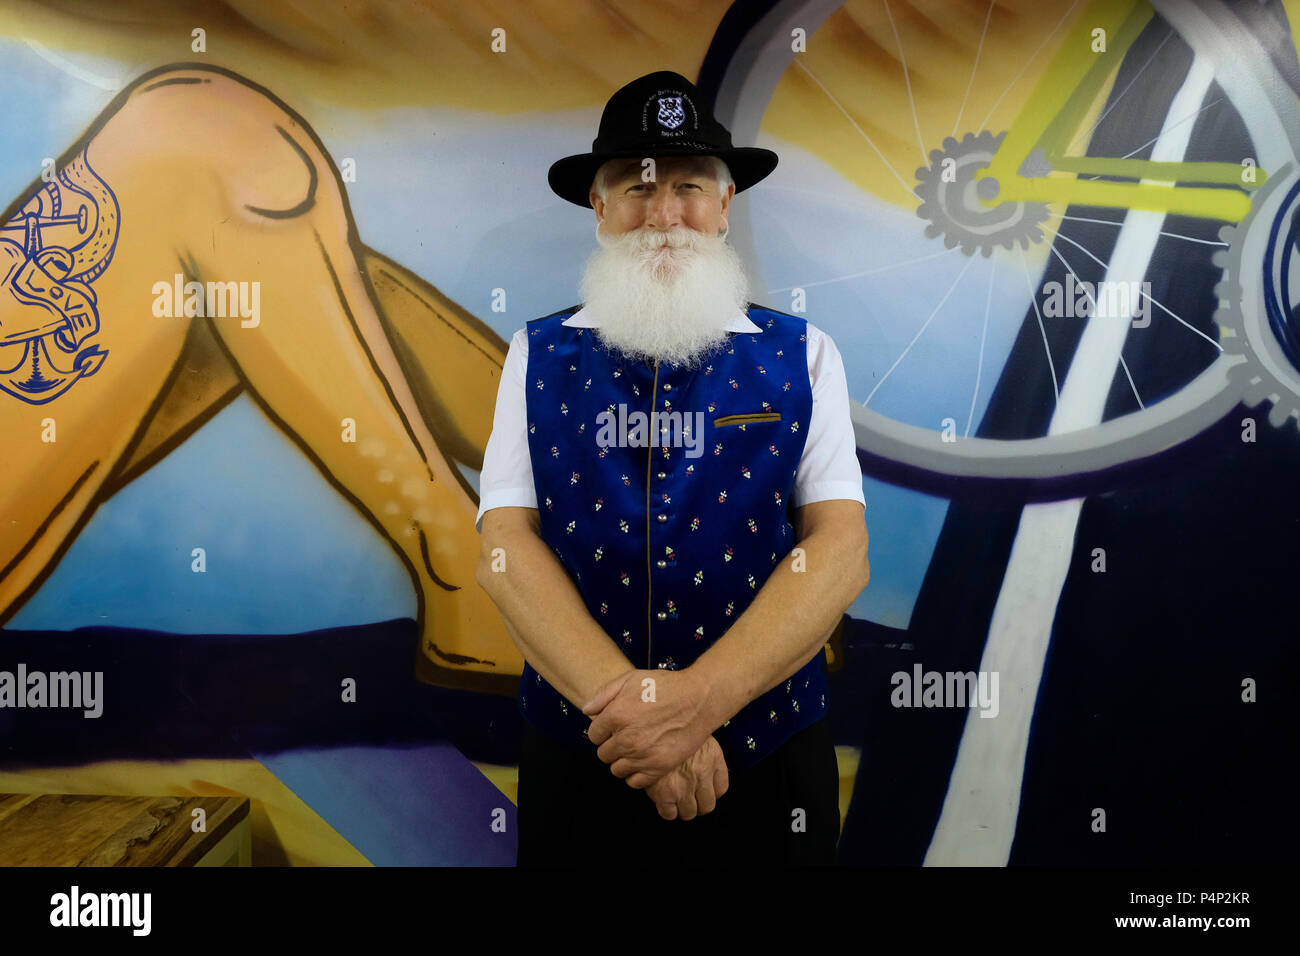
<point x="662" y="518"/>
<point x="662" y="475"/>
<point x="662" y="563"/>
<point x="667" y="387"/>
<point x="662" y="615"/>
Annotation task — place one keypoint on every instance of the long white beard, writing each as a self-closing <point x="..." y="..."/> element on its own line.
<point x="672" y="306"/>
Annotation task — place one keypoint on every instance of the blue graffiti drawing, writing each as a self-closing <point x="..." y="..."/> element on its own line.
<point x="60" y="242"/>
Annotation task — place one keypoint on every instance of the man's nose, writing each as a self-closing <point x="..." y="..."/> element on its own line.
<point x="665" y="210"/>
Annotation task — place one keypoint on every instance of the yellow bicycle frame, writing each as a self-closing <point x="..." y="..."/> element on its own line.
<point x="1060" y="101"/>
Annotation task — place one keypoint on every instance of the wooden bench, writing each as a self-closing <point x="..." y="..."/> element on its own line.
<point x="64" y="829"/>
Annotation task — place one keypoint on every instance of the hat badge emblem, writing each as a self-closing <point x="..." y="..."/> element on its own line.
<point x="671" y="112"/>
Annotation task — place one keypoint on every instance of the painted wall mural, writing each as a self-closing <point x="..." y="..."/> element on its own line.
<point x="257" y="276"/>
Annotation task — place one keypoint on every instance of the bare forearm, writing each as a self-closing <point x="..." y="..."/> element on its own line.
<point x="547" y="619"/>
<point x="786" y="624"/>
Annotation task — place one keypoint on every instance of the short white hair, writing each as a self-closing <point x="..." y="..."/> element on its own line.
<point x="600" y="184"/>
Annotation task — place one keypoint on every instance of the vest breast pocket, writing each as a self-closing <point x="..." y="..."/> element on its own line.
<point x="749" y="418"/>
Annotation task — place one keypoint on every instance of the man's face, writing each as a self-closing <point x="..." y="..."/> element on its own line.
<point x="682" y="193"/>
<point x="664" y="285"/>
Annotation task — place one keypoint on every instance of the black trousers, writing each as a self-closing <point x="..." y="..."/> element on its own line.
<point x="573" y="811"/>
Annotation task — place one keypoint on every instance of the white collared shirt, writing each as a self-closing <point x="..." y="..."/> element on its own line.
<point x="827" y="470"/>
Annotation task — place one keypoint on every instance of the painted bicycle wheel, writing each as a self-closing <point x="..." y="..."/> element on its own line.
<point x="1124" y="283"/>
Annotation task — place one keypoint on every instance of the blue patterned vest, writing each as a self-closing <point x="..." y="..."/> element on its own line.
<point x="669" y="540"/>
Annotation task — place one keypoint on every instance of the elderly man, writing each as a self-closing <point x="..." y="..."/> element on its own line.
<point x="672" y="521"/>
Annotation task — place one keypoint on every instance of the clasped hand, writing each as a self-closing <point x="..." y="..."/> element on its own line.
<point x="652" y="729"/>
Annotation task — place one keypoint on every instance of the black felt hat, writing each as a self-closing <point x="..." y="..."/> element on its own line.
<point x="660" y="114"/>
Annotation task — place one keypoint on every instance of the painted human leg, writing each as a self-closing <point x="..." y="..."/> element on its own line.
<point x="80" y="363"/>
<point x="235" y="190"/>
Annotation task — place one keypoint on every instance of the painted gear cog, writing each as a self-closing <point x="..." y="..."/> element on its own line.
<point x="1256" y="318"/>
<point x="950" y="199"/>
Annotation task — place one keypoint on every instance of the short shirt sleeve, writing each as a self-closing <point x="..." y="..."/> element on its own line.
<point x="829" y="466"/>
<point x="506" y="480"/>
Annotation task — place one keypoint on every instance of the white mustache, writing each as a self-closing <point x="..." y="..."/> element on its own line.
<point x="651" y="241"/>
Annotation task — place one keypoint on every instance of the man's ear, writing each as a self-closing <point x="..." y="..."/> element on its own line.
<point x="597" y="204"/>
